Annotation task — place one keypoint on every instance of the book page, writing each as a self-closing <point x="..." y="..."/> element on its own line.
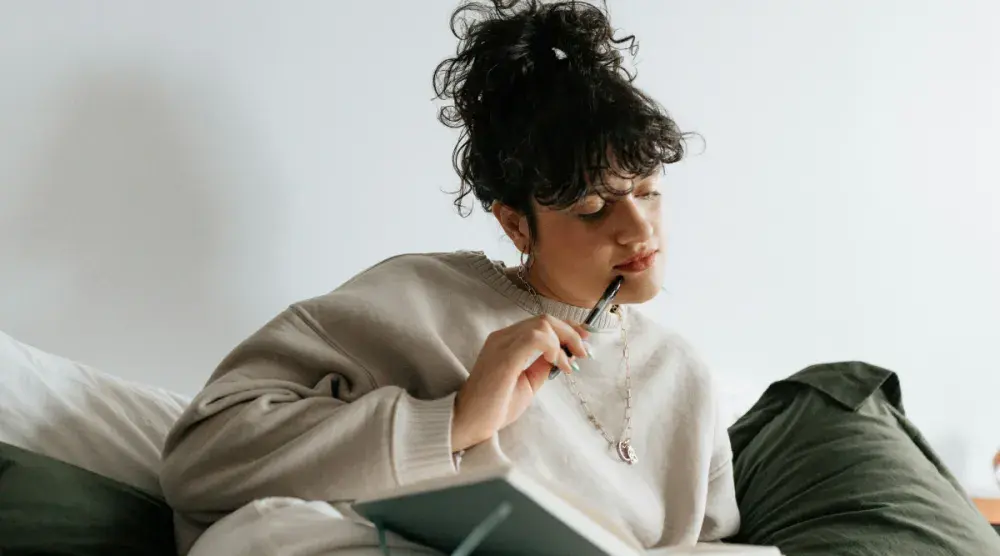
<point x="716" y="549"/>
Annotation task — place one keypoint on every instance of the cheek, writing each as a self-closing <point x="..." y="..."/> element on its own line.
<point x="571" y="245"/>
<point x="568" y="247"/>
<point x="588" y="257"/>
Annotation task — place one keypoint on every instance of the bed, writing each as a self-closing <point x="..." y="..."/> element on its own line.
<point x="826" y="462"/>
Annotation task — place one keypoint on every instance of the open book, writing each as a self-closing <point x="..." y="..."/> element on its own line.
<point x="506" y="511"/>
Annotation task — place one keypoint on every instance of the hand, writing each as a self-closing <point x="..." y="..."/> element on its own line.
<point x="513" y="364"/>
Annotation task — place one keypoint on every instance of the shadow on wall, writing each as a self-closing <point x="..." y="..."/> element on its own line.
<point x="116" y="245"/>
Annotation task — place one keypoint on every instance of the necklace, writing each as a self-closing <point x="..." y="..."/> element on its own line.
<point x="623" y="446"/>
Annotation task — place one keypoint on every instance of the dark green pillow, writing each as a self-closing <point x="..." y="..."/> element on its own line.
<point x="827" y="463"/>
<point x="48" y="507"/>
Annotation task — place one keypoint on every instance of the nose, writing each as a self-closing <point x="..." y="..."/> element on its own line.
<point x="634" y="225"/>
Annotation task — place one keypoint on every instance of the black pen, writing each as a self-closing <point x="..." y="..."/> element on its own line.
<point x="595" y="313"/>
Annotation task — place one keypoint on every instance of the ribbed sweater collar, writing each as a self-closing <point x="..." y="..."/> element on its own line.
<point x="492" y="272"/>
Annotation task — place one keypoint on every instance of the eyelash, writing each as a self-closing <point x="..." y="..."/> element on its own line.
<point x="597" y="215"/>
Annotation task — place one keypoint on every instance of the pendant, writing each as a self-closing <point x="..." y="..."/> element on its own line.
<point x="626" y="452"/>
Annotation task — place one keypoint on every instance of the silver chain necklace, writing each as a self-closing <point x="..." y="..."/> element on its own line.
<point x="626" y="452"/>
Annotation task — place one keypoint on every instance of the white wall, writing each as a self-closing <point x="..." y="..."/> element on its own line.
<point x="172" y="174"/>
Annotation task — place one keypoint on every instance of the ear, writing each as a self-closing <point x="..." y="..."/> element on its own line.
<point x="514" y="224"/>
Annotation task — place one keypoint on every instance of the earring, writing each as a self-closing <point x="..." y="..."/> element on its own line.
<point x="522" y="270"/>
<point x="526" y="257"/>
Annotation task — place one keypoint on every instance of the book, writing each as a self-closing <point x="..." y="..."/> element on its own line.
<point x="506" y="511"/>
<point x="716" y="549"/>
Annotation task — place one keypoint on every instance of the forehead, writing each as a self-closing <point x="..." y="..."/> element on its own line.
<point x="614" y="182"/>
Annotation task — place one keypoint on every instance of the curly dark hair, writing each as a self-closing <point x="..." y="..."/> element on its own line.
<point x="546" y="106"/>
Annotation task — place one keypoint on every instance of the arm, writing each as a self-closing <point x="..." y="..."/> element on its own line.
<point x="290" y="413"/>
<point x="722" y="516"/>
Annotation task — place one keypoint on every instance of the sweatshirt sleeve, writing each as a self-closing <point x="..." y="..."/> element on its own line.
<point x="289" y="413"/>
<point x="722" y="515"/>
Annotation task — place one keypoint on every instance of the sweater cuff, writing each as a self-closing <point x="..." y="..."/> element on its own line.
<point x="421" y="438"/>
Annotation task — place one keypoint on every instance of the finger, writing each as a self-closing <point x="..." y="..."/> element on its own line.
<point x="558" y="358"/>
<point x="523" y="346"/>
<point x="585" y="332"/>
<point x="538" y="340"/>
<point x="537" y="374"/>
<point x="571" y="336"/>
<point x="582" y="330"/>
<point x="544" y="338"/>
<point x="569" y="361"/>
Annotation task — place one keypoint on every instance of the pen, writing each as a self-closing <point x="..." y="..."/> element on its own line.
<point x="602" y="304"/>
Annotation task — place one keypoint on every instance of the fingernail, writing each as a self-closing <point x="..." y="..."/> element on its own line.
<point x="589" y="349"/>
<point x="574" y="365"/>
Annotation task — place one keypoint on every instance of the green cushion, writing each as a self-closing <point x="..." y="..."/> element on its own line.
<point x="48" y="507"/>
<point x="827" y="463"/>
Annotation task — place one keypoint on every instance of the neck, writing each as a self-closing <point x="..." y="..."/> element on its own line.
<point x="504" y="280"/>
<point x="536" y="281"/>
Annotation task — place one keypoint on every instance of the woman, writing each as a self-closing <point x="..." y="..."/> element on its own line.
<point x="426" y="361"/>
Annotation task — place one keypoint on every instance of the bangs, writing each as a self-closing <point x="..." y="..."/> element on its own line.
<point x="571" y="146"/>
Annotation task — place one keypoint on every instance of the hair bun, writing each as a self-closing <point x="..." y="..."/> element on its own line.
<point x="506" y="41"/>
<point x="544" y="103"/>
<point x="579" y="33"/>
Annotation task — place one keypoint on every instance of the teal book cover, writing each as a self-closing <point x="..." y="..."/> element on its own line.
<point x="506" y="512"/>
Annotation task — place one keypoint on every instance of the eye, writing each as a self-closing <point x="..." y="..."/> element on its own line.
<point x="649" y="195"/>
<point x="591" y="208"/>
<point x="592" y="216"/>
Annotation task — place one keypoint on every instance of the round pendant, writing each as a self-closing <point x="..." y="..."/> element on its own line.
<point x="626" y="452"/>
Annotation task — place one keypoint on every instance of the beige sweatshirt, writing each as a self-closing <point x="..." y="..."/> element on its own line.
<point x="352" y="392"/>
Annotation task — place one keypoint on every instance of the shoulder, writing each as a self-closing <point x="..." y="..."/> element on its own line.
<point x="664" y="339"/>
<point x="685" y="381"/>
<point x="397" y="288"/>
<point x="405" y="274"/>
<point x="674" y="356"/>
<point x="415" y="269"/>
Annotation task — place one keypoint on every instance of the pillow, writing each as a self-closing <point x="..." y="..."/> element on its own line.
<point x="79" y="415"/>
<point x="827" y="463"/>
<point x="77" y="512"/>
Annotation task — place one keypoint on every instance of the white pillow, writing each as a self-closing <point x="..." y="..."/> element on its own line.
<point x="71" y="412"/>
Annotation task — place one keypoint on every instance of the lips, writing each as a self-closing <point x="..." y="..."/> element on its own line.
<point x="639" y="262"/>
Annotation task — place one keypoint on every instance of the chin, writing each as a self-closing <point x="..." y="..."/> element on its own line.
<point x="640" y="289"/>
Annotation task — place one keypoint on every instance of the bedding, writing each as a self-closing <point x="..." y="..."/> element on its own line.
<point x="283" y="526"/>
<point x="79" y="415"/>
<point x="48" y="507"/>
<point x="827" y="463"/>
